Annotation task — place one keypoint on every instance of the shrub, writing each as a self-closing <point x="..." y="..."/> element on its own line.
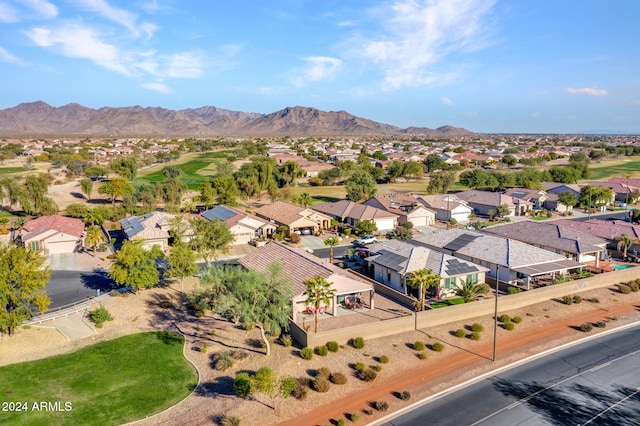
<point x="476" y="326"/>
<point x="513" y="290"/>
<point x="460" y="332"/>
<point x="384" y="359"/>
<point x="224" y="360"/>
<point x="368" y="375"/>
<point x="422" y="355"/>
<point x="624" y="289"/>
<point x="354" y="417"/>
<point x="381" y="405"/>
<point x="586" y="327"/>
<point x="593" y="300"/>
<point x="203" y="348"/>
<point x="634" y="286"/>
<point x="294" y="238"/>
<point x="323" y="372"/>
<point x="358" y="343"/>
<point x="306" y="353"/>
<point x="438" y="347"/>
<point x="100" y="316"/>
<point x="248" y="326"/>
<point x="568" y="300"/>
<point x="242" y="385"/>
<point x="338" y="378"/>
<point x="320" y="384"/>
<point x="509" y="326"/>
<point x="322" y="350"/>
<point x="377" y="367"/>
<point x="405" y="395"/>
<point x="475" y="336"/>
<point x="516" y="320"/>
<point x="286" y="340"/>
<point x="359" y="366"/>
<point x="333" y="346"/>
<point x="600" y="324"/>
<point x="231" y="421"/>
<point x="300" y="391"/>
<point x="504" y="318"/>
<point x="577" y="299"/>
<point x="341" y="422"/>
<point x="419" y="346"/>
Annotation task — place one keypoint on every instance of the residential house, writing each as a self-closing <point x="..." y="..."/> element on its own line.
<point x="621" y="191"/>
<point x="53" y="234"/>
<point x="512" y="261"/>
<point x="297" y="219"/>
<point x="407" y="207"/>
<point x="393" y="261"/>
<point x="351" y="213"/>
<point x="447" y="206"/>
<point x="570" y="243"/>
<point x="536" y="197"/>
<point x="298" y="266"/>
<point x="483" y="202"/>
<point x="245" y="227"/>
<point x="559" y="188"/>
<point x="611" y="230"/>
<point x="151" y="229"/>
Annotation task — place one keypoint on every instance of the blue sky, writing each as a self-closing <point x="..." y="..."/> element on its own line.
<point x="523" y="66"/>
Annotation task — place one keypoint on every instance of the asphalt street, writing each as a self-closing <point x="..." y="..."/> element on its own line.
<point x="593" y="383"/>
<point x="68" y="287"/>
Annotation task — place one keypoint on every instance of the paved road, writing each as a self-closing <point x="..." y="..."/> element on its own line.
<point x="67" y="287"/>
<point x="593" y="383"/>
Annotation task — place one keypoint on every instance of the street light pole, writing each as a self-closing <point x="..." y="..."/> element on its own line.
<point x="495" y="315"/>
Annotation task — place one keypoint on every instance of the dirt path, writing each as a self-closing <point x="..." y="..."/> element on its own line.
<point x="431" y="379"/>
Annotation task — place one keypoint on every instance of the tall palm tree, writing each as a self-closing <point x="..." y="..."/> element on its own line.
<point x="305" y="199"/>
<point x="331" y="242"/>
<point x="423" y="279"/>
<point x="318" y="291"/>
<point x="94" y="237"/>
<point x="625" y="243"/>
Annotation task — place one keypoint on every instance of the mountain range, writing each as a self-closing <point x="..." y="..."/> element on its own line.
<point x="39" y="119"/>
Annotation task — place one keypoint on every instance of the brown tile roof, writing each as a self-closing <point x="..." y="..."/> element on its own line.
<point x="349" y="209"/>
<point x="486" y="198"/>
<point x="281" y="212"/>
<point x="68" y="225"/>
<point x="609" y="229"/>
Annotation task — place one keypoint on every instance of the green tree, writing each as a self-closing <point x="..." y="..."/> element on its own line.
<point x="360" y="186"/>
<point x="291" y="171"/>
<point x="318" y="292"/>
<point x="434" y="162"/>
<point x="440" y="182"/>
<point x="423" y="279"/>
<point x="305" y="199"/>
<point x="182" y="262"/>
<point x="134" y="266"/>
<point x="509" y="160"/>
<point x="23" y="276"/>
<point x="394" y="170"/>
<point x="115" y="188"/>
<point x="211" y="238"/>
<point x="401" y="232"/>
<point x="568" y="198"/>
<point x="127" y="167"/>
<point x="226" y="189"/>
<point x="94" y="237"/>
<point x="87" y="187"/>
<point x="34" y="194"/>
<point x="331" y="242"/>
<point x="96" y="172"/>
<point x="470" y="290"/>
<point x="171" y="172"/>
<point x="207" y="193"/>
<point x="625" y="243"/>
<point x="502" y="210"/>
<point x="412" y="169"/>
<point x="365" y="227"/>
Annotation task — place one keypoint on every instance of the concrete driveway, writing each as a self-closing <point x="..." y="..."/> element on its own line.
<point x="312" y="242"/>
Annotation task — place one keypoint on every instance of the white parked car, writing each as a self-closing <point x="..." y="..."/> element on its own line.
<point x="368" y="239"/>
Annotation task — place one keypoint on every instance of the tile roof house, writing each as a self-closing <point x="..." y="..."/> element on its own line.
<point x="514" y="261"/>
<point x="152" y="229"/>
<point x="447" y="206"/>
<point x="53" y="234"/>
<point x="559" y="188"/>
<point x="536" y="197"/>
<point x="393" y="262"/>
<point x="484" y="201"/>
<point x="294" y="217"/>
<point x="298" y="265"/>
<point x="620" y="190"/>
<point x="245" y="227"/>
<point x="351" y="213"/>
<point x="407" y="207"/>
<point x="570" y="243"/>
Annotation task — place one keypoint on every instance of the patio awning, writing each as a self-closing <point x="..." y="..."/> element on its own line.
<point x="346" y="285"/>
<point x="548" y="267"/>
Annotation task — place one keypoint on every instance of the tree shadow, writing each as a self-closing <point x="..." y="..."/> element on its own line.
<point x="220" y="386"/>
<point x="77" y="195"/>
<point x="98" y="280"/>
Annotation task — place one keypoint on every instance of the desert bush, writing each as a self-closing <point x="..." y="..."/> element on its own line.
<point x="358" y="343"/>
<point x="624" y="289"/>
<point x="381" y="405"/>
<point x="224" y="360"/>
<point x="333" y="346"/>
<point x="422" y="355"/>
<point x="405" y="395"/>
<point x="504" y="318"/>
<point x="509" y="326"/>
<point x="384" y="359"/>
<point x="586" y="327"/>
<point x="231" y="421"/>
<point x="340" y="422"/>
<point x="359" y="366"/>
<point x="419" y="346"/>
<point x="306" y="353"/>
<point x="367" y="375"/>
<point x="300" y="391"/>
<point x="166" y="304"/>
<point x="513" y="290"/>
<point x="242" y="385"/>
<point x="294" y="238"/>
<point x="338" y="378"/>
<point x="476" y="326"/>
<point x="100" y="316"/>
<point x="593" y="300"/>
<point x="516" y="320"/>
<point x="600" y="324"/>
<point x="354" y="417"/>
<point x="460" y="332"/>
<point x="577" y="299"/>
<point x="286" y="340"/>
<point x="203" y="348"/>
<point x="323" y="372"/>
<point x="322" y="350"/>
<point x="320" y="384"/>
<point x="377" y="368"/>
<point x="475" y="336"/>
<point x="634" y="286"/>
<point x="437" y="347"/>
<point x="568" y="300"/>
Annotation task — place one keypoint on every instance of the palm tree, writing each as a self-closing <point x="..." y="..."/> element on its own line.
<point x="470" y="290"/>
<point x="305" y="199"/>
<point x="94" y="237"/>
<point x="423" y="279"/>
<point x="625" y="243"/>
<point x="18" y="222"/>
<point x="318" y="291"/>
<point x="331" y="242"/>
<point x="3" y="223"/>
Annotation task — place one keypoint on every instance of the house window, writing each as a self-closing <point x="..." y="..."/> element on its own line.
<point x="450" y="282"/>
<point x="35" y="245"/>
<point x="473" y="278"/>
<point x="388" y="275"/>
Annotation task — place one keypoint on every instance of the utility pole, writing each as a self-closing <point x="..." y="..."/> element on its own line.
<point x="495" y="315"/>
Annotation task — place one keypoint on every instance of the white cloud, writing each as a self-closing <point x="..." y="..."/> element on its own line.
<point x="447" y="101"/>
<point x="120" y="16"/>
<point x="590" y="91"/>
<point x="8" y="14"/>
<point x="157" y="86"/>
<point x="318" y="68"/>
<point x="418" y="34"/>
<point x="43" y="8"/>
<point x="10" y="58"/>
<point x="184" y="65"/>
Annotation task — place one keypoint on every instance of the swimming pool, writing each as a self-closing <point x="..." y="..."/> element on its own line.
<point x="621" y="267"/>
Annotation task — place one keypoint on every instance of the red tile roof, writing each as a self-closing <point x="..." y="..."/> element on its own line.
<point x="68" y="225"/>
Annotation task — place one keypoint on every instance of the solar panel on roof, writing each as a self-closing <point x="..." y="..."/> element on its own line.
<point x="459" y="242"/>
<point x="219" y="213"/>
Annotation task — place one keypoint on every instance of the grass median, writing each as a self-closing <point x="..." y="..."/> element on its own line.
<point x="109" y="383"/>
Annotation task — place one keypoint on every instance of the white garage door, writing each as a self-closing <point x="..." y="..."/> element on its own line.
<point x="242" y="238"/>
<point x="419" y="221"/>
<point x="61" y="247"/>
<point x="384" y="224"/>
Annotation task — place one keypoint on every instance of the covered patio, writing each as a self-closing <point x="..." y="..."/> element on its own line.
<point x="544" y="273"/>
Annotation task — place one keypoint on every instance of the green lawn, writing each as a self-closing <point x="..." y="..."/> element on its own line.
<point x="195" y="168"/>
<point x="448" y="302"/>
<point x="9" y="170"/>
<point x="615" y="168"/>
<point x="108" y="383"/>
